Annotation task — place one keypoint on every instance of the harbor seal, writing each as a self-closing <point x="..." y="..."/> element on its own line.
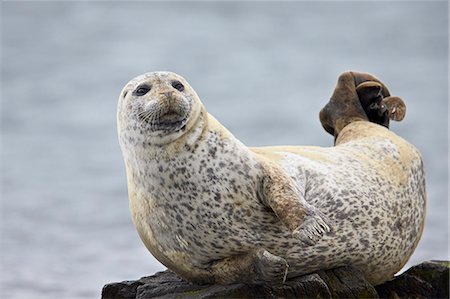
<point x="216" y="211"/>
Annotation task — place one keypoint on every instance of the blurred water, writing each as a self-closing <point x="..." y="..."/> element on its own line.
<point x="263" y="69"/>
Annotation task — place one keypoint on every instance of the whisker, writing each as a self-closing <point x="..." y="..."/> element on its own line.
<point x="143" y="116"/>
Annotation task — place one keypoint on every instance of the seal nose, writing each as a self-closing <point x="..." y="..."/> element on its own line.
<point x="168" y="98"/>
<point x="167" y="94"/>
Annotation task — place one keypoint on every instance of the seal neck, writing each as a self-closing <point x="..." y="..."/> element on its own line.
<point x="195" y="133"/>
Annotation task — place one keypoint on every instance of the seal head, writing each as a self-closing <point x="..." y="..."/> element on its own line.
<point x="161" y="104"/>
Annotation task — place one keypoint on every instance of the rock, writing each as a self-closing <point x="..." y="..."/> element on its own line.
<point x="124" y="289"/>
<point x="427" y="280"/>
<point x="346" y="282"/>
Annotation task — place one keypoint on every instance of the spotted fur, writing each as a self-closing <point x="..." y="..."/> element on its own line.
<point x="213" y="210"/>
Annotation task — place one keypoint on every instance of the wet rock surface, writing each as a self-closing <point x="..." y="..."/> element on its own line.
<point x="427" y="280"/>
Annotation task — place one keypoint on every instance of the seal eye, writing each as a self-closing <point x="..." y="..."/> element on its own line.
<point x="141" y="90"/>
<point x="177" y="85"/>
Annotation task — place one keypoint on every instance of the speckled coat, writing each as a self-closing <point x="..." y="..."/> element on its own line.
<point x="200" y="199"/>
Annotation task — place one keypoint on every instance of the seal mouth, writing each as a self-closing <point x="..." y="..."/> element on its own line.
<point x="170" y="121"/>
<point x="166" y="114"/>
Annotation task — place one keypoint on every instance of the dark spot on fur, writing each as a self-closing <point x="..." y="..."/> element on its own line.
<point x="375" y="221"/>
<point x="217" y="196"/>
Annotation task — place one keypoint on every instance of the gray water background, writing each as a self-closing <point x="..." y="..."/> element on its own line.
<point x="263" y="69"/>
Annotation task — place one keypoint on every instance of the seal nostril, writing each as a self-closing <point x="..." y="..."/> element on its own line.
<point x="167" y="94"/>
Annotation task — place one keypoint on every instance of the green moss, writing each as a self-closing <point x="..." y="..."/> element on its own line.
<point x="194" y="293"/>
<point x="430" y="274"/>
<point x="444" y="263"/>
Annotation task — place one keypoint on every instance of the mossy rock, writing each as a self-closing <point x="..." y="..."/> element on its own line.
<point x="427" y="280"/>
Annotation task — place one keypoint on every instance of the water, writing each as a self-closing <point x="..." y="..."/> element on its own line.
<point x="263" y="69"/>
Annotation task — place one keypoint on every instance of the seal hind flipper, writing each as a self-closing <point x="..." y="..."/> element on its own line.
<point x="378" y="104"/>
<point x="396" y="108"/>
<point x="371" y="98"/>
<point x="344" y="106"/>
<point x="360" y="96"/>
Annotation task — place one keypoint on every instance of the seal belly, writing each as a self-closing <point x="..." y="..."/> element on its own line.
<point x="202" y="205"/>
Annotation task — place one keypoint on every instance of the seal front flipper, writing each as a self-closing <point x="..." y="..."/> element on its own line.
<point x="258" y="266"/>
<point x="269" y="268"/>
<point x="313" y="228"/>
<point x="279" y="192"/>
